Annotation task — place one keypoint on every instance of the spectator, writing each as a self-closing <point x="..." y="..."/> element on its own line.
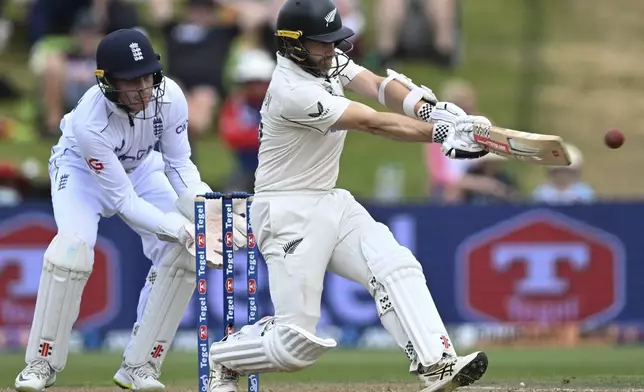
<point x="57" y="17"/>
<point x="7" y="128"/>
<point x="419" y="29"/>
<point x="239" y="118"/>
<point x="6" y="28"/>
<point x="68" y="74"/>
<point x="255" y="19"/>
<point x="443" y="171"/>
<point x="197" y="48"/>
<point x="563" y="184"/>
<point x="10" y="185"/>
<point x="7" y="91"/>
<point x="18" y="184"/>
<point x="485" y="182"/>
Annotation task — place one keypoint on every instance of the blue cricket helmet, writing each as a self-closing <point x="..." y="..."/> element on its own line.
<point x="127" y="54"/>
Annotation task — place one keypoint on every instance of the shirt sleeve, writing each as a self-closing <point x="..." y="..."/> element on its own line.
<point x="351" y="69"/>
<point x="112" y="179"/>
<point x="175" y="147"/>
<point x="312" y="107"/>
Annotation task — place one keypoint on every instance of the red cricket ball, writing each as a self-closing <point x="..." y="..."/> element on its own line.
<point x="614" y="138"/>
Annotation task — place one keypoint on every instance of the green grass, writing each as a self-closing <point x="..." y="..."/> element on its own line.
<point x="576" y="368"/>
<point x="490" y="61"/>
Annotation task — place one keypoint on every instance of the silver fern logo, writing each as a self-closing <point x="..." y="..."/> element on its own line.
<point x="330" y="17"/>
<point x="290" y="246"/>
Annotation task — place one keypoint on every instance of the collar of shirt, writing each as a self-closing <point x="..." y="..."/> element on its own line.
<point x="291" y="65"/>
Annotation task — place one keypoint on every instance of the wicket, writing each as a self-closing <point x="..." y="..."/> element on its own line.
<point x="228" y="277"/>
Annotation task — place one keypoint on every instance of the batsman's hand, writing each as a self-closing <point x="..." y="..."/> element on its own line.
<point x="214" y="248"/>
<point x="459" y="143"/>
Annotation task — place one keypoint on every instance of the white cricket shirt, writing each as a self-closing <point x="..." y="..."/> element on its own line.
<point x="297" y="149"/>
<point x="112" y="144"/>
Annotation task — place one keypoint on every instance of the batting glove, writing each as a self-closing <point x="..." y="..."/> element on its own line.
<point x="459" y="142"/>
<point x="444" y="115"/>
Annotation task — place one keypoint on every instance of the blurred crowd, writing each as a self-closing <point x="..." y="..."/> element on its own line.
<point x="222" y="53"/>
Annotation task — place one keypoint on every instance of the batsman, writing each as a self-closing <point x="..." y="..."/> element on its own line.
<point x="305" y="226"/>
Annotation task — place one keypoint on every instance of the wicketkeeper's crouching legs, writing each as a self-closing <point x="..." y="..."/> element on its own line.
<point x="173" y="286"/>
<point x="166" y="295"/>
<point x="68" y="263"/>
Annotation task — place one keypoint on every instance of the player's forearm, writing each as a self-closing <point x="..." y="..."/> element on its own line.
<point x="395" y="94"/>
<point x="401" y="128"/>
<point x="390" y="93"/>
<point x="140" y="214"/>
<point x="182" y="175"/>
<point x="171" y="226"/>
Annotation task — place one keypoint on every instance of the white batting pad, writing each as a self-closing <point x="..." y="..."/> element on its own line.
<point x="168" y="300"/>
<point x="68" y="262"/>
<point x="281" y="348"/>
<point x="401" y="275"/>
<point x="388" y="317"/>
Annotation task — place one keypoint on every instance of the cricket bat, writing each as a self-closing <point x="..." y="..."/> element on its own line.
<point x="547" y="150"/>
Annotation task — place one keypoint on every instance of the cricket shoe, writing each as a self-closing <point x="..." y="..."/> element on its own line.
<point x="222" y="379"/>
<point x="37" y="376"/>
<point x="142" y="378"/>
<point x="452" y="372"/>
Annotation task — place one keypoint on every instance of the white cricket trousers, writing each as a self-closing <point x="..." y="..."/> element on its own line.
<point x="79" y="203"/>
<point x="330" y="225"/>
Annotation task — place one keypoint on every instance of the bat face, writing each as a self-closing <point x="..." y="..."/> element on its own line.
<point x="548" y="150"/>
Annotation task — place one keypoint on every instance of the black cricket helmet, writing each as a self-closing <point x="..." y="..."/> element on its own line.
<point x="127" y="54"/>
<point x="314" y="20"/>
